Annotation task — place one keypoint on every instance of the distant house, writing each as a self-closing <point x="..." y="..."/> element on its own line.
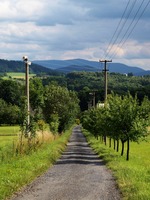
<point x="99" y="105"/>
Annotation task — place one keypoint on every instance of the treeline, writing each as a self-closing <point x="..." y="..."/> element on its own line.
<point x="55" y="98"/>
<point x="122" y="119"/>
<point x="86" y="82"/>
<point x="51" y="103"/>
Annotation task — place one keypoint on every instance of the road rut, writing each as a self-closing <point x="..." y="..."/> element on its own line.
<point x="78" y="175"/>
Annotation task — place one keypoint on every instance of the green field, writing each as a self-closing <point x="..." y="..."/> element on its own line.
<point x="8" y="136"/>
<point x="9" y="130"/>
<point x="133" y="176"/>
<point x="17" y="75"/>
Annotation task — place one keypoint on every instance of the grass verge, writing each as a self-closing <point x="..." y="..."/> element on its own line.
<point x="21" y="170"/>
<point x="133" y="176"/>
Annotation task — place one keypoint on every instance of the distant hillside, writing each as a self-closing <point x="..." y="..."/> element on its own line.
<point x="19" y="66"/>
<point x="73" y="68"/>
<point x="55" y="67"/>
<point x="121" y="68"/>
<point x="56" y="64"/>
<point x="85" y="65"/>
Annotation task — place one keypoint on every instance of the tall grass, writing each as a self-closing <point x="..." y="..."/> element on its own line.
<point x="133" y="177"/>
<point x="22" y="169"/>
<point x="8" y="137"/>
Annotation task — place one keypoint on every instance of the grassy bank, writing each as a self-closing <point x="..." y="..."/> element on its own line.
<point x="22" y="169"/>
<point x="133" y="176"/>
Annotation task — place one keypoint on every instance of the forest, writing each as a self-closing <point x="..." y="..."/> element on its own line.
<point x="56" y="97"/>
<point x="85" y="83"/>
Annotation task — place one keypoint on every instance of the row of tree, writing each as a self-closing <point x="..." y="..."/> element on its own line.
<point x="54" y="104"/>
<point x="123" y="119"/>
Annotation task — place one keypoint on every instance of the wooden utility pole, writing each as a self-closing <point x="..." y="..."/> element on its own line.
<point x="105" y="77"/>
<point x="27" y="93"/>
<point x="27" y="63"/>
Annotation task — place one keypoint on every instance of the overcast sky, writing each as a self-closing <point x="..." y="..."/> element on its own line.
<point x="67" y="29"/>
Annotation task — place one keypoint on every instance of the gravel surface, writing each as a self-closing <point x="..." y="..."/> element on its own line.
<point x="78" y="175"/>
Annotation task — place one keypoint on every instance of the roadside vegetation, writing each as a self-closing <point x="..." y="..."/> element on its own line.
<point x="20" y="168"/>
<point x="133" y="177"/>
<point x="122" y="119"/>
<point x="28" y="149"/>
<point x="121" y="130"/>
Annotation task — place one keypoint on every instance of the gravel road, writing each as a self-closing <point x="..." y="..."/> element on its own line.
<point x="78" y="175"/>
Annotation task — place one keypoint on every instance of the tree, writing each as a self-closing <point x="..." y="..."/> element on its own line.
<point x="124" y="118"/>
<point x="36" y="97"/>
<point x="11" y="91"/>
<point x="129" y="121"/>
<point x="58" y="100"/>
<point x="9" y="113"/>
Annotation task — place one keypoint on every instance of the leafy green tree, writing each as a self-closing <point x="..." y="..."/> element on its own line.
<point x="128" y="121"/>
<point x="54" y="123"/>
<point x="36" y="98"/>
<point x="11" y="91"/>
<point x="9" y="113"/>
<point x="36" y="93"/>
<point x="12" y="114"/>
<point x="124" y="118"/>
<point x="58" y="100"/>
<point x="3" y="106"/>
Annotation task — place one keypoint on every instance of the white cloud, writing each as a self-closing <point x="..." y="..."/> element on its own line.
<point x="64" y="29"/>
<point x="20" y="10"/>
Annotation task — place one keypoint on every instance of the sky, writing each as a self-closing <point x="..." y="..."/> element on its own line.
<point x="69" y="29"/>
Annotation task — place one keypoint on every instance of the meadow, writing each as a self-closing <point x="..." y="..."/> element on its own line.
<point x="9" y="130"/>
<point x="133" y="176"/>
<point x="8" y="135"/>
<point x="18" y="170"/>
<point x="17" y="75"/>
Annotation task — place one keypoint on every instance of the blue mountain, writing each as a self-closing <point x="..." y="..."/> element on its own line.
<point x="67" y="66"/>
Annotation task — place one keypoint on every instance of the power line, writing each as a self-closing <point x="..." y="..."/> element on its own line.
<point x="109" y="45"/>
<point x="120" y="29"/>
<point x="130" y="28"/>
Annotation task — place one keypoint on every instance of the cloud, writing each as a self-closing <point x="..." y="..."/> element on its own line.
<point x="20" y="10"/>
<point x="62" y="29"/>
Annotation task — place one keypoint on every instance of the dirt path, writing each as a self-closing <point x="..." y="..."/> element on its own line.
<point x="78" y="175"/>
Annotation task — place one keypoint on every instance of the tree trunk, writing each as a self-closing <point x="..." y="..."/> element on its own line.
<point x="114" y="144"/>
<point x="122" y="151"/>
<point x="105" y="141"/>
<point x="109" y="142"/>
<point x="117" y="145"/>
<point x="128" y="148"/>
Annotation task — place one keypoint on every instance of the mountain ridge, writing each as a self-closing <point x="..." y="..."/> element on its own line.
<point x="19" y="66"/>
<point x="55" y="67"/>
<point x="67" y="66"/>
